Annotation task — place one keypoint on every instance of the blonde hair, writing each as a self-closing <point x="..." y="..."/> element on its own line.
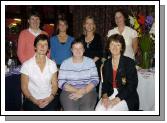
<point x="84" y="22"/>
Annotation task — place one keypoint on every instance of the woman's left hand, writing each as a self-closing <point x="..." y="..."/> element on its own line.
<point x="75" y="96"/>
<point x="115" y="101"/>
<point x="95" y="59"/>
<point x="78" y="94"/>
<point x="46" y="101"/>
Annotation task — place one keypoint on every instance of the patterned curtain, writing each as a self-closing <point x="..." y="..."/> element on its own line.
<point x="104" y="16"/>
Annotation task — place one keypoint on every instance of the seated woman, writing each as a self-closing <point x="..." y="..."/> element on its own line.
<point x="120" y="79"/>
<point x="78" y="78"/>
<point x="39" y="78"/>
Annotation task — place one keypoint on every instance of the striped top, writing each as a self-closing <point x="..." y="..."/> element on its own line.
<point x="78" y="74"/>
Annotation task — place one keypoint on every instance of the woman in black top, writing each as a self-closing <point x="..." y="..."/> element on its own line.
<point x="119" y="89"/>
<point x="92" y="42"/>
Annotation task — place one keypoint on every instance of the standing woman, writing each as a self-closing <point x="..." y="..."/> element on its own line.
<point x="26" y="38"/>
<point x="61" y="43"/>
<point x="39" y="78"/>
<point x="92" y="42"/>
<point x="119" y="89"/>
<point x="129" y="34"/>
<point x="60" y="47"/>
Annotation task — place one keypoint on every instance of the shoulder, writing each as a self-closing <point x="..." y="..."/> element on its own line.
<point x="112" y="31"/>
<point x="24" y="31"/>
<point x="129" y="29"/>
<point x="43" y="32"/>
<point x="81" y="37"/>
<point x="70" y="38"/>
<point x="97" y="35"/>
<point x="89" y="63"/>
<point x="108" y="61"/>
<point x="53" y="38"/>
<point x="128" y="61"/>
<point x="67" y="62"/>
<point x="28" y="62"/>
<point x="87" y="59"/>
<point x="51" y="62"/>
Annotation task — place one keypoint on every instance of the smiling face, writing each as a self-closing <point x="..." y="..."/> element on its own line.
<point x="41" y="47"/>
<point x="78" y="50"/>
<point x="62" y="26"/>
<point x="89" y="25"/>
<point x="119" y="19"/>
<point x="34" y="22"/>
<point x="115" y="48"/>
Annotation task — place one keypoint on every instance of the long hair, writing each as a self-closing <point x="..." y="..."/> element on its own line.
<point x="56" y="29"/>
<point x="84" y="22"/>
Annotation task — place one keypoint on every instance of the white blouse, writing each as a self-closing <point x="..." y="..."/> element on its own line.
<point x="128" y="35"/>
<point x="39" y="82"/>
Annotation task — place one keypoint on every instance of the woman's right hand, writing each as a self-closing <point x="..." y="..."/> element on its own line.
<point x="106" y="102"/>
<point x="37" y="102"/>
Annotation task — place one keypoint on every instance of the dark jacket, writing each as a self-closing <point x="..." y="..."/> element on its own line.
<point x="126" y="80"/>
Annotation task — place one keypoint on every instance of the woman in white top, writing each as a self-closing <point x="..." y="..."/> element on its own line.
<point x="129" y="34"/>
<point x="39" y="78"/>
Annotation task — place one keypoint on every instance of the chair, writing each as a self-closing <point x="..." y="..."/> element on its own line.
<point x="101" y="81"/>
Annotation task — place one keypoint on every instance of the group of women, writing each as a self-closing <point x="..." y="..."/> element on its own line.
<point x="74" y="68"/>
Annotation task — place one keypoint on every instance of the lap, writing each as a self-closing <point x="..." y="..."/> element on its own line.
<point x="121" y="106"/>
<point x="87" y="102"/>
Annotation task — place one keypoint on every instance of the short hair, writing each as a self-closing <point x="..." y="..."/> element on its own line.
<point x="84" y="22"/>
<point x="125" y="15"/>
<point x="41" y="37"/>
<point x="117" y="38"/>
<point x="76" y="41"/>
<point x="33" y="13"/>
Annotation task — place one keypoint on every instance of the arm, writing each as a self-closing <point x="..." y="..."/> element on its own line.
<point x="54" y="84"/>
<point x="47" y="100"/>
<point x="131" y="81"/>
<point x="70" y="88"/>
<point x="135" y="45"/>
<point x="21" y="46"/>
<point x="24" y="88"/>
<point x="98" y="48"/>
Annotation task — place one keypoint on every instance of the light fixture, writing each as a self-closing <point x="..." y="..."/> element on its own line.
<point x="17" y="19"/>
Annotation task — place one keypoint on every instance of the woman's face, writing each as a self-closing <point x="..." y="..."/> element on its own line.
<point x="62" y="26"/>
<point x="34" y="22"/>
<point x="115" y="48"/>
<point x="119" y="19"/>
<point x="89" y="25"/>
<point x="42" y="47"/>
<point x="78" y="50"/>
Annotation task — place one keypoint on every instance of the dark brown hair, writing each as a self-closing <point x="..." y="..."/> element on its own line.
<point x="117" y="38"/>
<point x="41" y="37"/>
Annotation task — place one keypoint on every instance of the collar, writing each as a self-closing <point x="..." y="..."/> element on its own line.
<point x="32" y="32"/>
<point x="35" y="59"/>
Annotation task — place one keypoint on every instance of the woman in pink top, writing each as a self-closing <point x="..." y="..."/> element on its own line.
<point x="27" y="36"/>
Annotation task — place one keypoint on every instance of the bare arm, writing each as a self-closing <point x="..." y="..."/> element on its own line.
<point x="24" y="88"/>
<point x="70" y="88"/>
<point x="135" y="45"/>
<point x="47" y="100"/>
<point x="54" y="84"/>
<point x="96" y="58"/>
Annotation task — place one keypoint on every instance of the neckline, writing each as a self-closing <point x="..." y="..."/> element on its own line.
<point x="62" y="43"/>
<point x="122" y="31"/>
